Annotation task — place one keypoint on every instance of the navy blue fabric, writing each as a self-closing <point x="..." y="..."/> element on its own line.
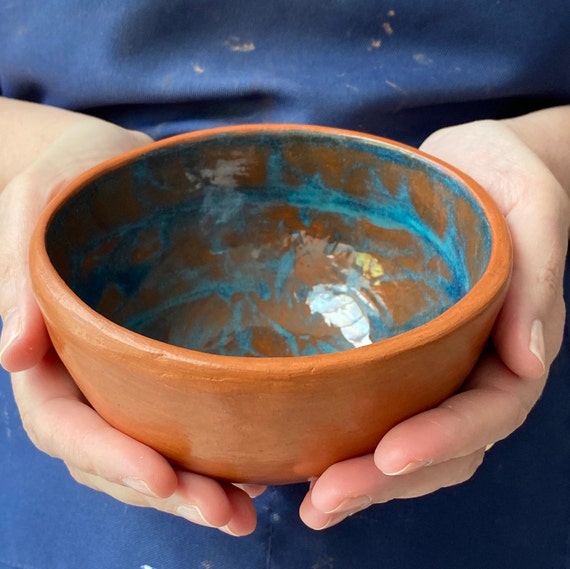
<point x="399" y="69"/>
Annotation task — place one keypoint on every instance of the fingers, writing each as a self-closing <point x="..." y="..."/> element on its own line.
<point x="437" y="448"/>
<point x="351" y="486"/>
<point x="528" y="334"/>
<point x="243" y="519"/>
<point x="494" y="403"/>
<point x="24" y="338"/>
<point x="197" y="499"/>
<point x="252" y="490"/>
<point x="532" y="319"/>
<point x="529" y="330"/>
<point x="60" y="423"/>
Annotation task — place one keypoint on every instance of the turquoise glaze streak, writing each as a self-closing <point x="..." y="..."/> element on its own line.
<point x="220" y="258"/>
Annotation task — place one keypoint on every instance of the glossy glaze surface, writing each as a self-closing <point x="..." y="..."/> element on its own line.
<point x="263" y="246"/>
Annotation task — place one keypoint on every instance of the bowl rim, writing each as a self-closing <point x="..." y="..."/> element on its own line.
<point x="490" y="285"/>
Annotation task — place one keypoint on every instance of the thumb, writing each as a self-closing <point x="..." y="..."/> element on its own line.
<point x="528" y="331"/>
<point x="24" y="339"/>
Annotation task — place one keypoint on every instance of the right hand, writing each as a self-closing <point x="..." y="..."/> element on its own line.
<point x="54" y="413"/>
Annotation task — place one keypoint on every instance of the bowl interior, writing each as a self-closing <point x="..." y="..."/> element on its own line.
<point x="279" y="243"/>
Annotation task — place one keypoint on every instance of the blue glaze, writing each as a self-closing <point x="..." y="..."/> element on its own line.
<point x="206" y="261"/>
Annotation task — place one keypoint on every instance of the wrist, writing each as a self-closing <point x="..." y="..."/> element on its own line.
<point x="27" y="129"/>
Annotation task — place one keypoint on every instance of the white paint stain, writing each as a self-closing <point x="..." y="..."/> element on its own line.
<point x="234" y="43"/>
<point x="6" y="418"/>
<point x="394" y="86"/>
<point x="198" y="68"/>
<point x="387" y="29"/>
<point x="422" y="59"/>
<point x="225" y="172"/>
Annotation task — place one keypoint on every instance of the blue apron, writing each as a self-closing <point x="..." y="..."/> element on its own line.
<point x="400" y="69"/>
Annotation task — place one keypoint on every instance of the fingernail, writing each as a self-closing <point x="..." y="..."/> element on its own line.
<point x="334" y="520"/>
<point x="11" y="329"/>
<point x="536" y="345"/>
<point x="409" y="468"/>
<point x="227" y="530"/>
<point x="193" y="514"/>
<point x="139" y="485"/>
<point x="252" y="490"/>
<point x="352" y="505"/>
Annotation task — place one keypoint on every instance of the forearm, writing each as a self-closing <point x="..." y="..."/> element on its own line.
<point x="547" y="134"/>
<point x="26" y="130"/>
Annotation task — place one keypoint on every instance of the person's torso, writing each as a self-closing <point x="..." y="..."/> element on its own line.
<point x="400" y="68"/>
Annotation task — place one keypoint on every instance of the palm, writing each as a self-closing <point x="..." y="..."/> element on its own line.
<point x="445" y="445"/>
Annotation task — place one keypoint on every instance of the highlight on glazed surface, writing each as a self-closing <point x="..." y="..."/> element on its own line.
<point x="260" y="245"/>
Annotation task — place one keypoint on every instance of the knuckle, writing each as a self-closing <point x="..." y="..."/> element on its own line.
<point x="549" y="276"/>
<point x="29" y="426"/>
<point x="46" y="435"/>
<point x="522" y="408"/>
<point x="77" y="474"/>
<point x="471" y="465"/>
<point x="467" y="466"/>
<point x="517" y="406"/>
<point x="40" y="437"/>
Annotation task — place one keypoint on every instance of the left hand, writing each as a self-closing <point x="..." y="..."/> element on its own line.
<point x="444" y="446"/>
<point x="53" y="411"/>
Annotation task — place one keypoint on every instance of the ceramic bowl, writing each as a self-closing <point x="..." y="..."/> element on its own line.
<point x="260" y="302"/>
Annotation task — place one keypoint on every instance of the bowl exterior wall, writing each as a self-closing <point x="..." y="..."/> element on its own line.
<point x="204" y="418"/>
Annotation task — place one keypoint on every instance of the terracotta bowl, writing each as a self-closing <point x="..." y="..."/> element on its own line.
<point x="260" y="302"/>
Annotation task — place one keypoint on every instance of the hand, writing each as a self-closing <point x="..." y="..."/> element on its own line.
<point x="53" y="410"/>
<point x="444" y="446"/>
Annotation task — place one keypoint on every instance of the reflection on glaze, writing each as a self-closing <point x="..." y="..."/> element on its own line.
<point x="344" y="310"/>
<point x="263" y="245"/>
